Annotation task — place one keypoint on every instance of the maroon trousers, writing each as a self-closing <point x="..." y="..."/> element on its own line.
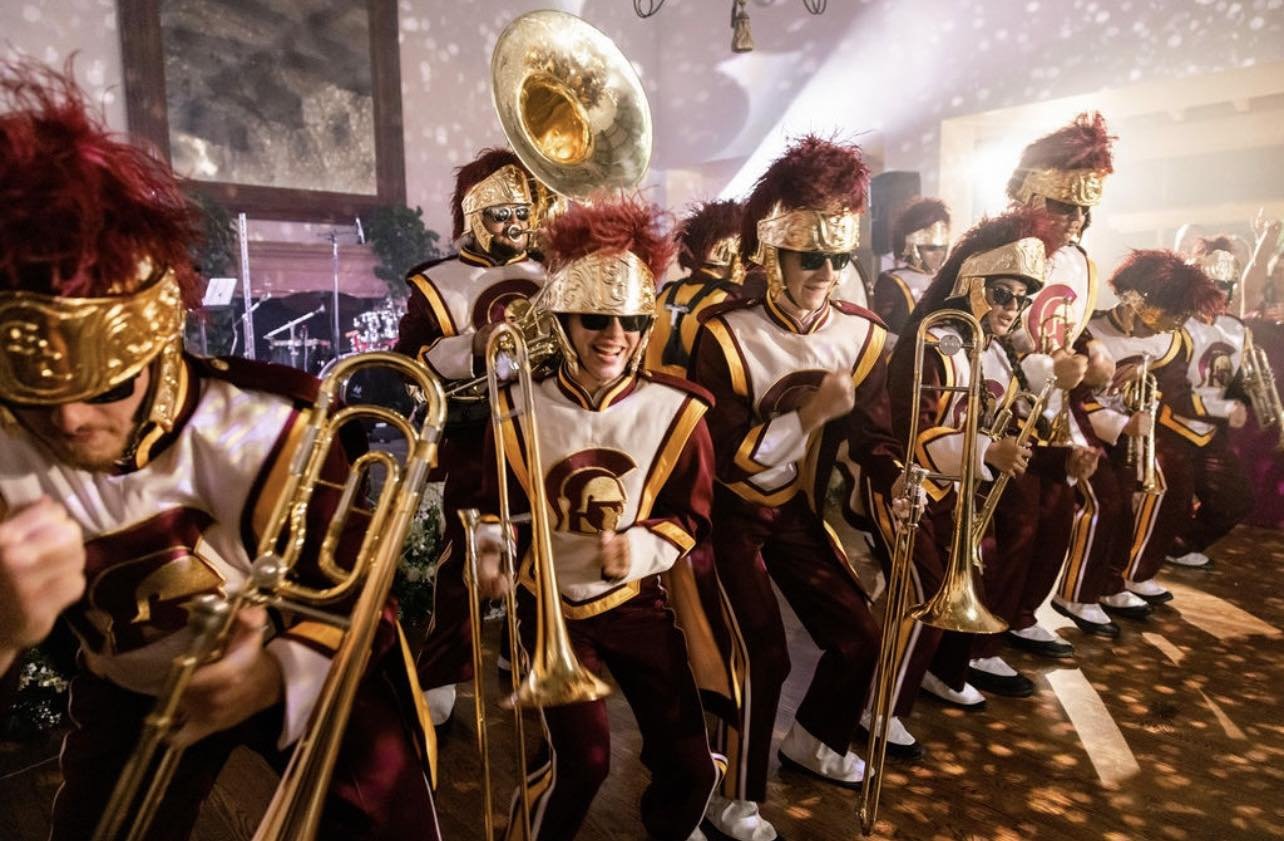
<point x="1224" y="491"/>
<point x="1031" y="531"/>
<point x="755" y="546"/>
<point x="640" y="644"/>
<point x="380" y="789"/>
<point x="1102" y="533"/>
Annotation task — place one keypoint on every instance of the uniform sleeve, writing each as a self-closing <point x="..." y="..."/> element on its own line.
<point x="680" y="519"/>
<point x="892" y="301"/>
<point x="427" y="334"/>
<point x="746" y="447"/>
<point x="1175" y="391"/>
<point x="940" y="441"/>
<point x="1103" y="422"/>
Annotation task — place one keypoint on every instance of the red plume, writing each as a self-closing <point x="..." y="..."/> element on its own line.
<point x="812" y="173"/>
<point x="613" y="225"/>
<point x="487" y="162"/>
<point x="1167" y="281"/>
<point x="707" y="225"/>
<point x="915" y="215"/>
<point x="1084" y="144"/>
<point x="79" y="207"/>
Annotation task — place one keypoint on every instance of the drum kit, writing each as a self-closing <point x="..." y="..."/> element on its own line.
<point x="376" y="329"/>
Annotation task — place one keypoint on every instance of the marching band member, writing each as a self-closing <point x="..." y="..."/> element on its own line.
<point x="1219" y="480"/>
<point x="136" y="477"/>
<point x="794" y="374"/>
<point x="993" y="273"/>
<point x="708" y="248"/>
<point x="1063" y="173"/>
<point x="449" y="316"/>
<point x="920" y="237"/>
<point x="1157" y="293"/>
<point x="628" y="467"/>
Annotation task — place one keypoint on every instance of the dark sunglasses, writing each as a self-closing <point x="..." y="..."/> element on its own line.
<point x="813" y="260"/>
<point x="1001" y="297"/>
<point x="503" y="214"/>
<point x="628" y="323"/>
<point x="1062" y="208"/>
<point x="114" y="395"/>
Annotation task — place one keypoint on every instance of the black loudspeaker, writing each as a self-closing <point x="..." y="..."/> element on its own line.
<point x="888" y="192"/>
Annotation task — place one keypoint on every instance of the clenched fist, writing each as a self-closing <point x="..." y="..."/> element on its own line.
<point x="833" y="398"/>
<point x="42" y="571"/>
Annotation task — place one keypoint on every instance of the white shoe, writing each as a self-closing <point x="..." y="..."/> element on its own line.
<point x="996" y="666"/>
<point x="1146" y="589"/>
<point x="805" y="752"/>
<point x="896" y="732"/>
<point x="738" y="819"/>
<point x="1035" y="633"/>
<point x="1190" y="559"/>
<point x="968" y="696"/>
<point x="1123" y="599"/>
<point x="1087" y="612"/>
<point x="441" y="703"/>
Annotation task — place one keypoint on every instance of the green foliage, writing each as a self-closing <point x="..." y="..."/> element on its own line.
<point x="400" y="241"/>
<point x="418" y="567"/>
<point x="215" y="256"/>
<point x="41" y="699"/>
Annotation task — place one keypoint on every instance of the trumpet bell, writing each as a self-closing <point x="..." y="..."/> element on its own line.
<point x="570" y="104"/>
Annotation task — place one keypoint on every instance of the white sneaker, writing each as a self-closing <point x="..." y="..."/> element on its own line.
<point x="968" y="696"/>
<point x="1190" y="559"/>
<point x="896" y="732"/>
<point x="1035" y="632"/>
<point x="738" y="819"/>
<point x="994" y="666"/>
<point x="1123" y="599"/>
<point x="1087" y="612"/>
<point x="441" y="703"/>
<point x="1146" y="589"/>
<point x="808" y="753"/>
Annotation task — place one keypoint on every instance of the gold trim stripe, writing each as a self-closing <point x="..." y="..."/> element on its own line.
<point x="435" y="302"/>
<point x="735" y="365"/>
<point x="676" y="441"/>
<point x="674" y="534"/>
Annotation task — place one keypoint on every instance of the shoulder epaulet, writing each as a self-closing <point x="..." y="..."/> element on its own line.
<point x="250" y="375"/>
<point x="428" y="264"/>
<point x="728" y="305"/>
<point x="848" y="308"/>
<point x="697" y="391"/>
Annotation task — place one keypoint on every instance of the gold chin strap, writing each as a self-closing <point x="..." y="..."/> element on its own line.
<point x="56" y="350"/>
<point x="834" y="231"/>
<point x="1073" y="186"/>
<point x="506" y="185"/>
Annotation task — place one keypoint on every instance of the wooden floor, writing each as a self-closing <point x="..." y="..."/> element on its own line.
<point x="1175" y="731"/>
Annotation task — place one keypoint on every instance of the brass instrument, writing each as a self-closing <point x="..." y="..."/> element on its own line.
<point x="997" y="430"/>
<point x="555" y="676"/>
<point x="1263" y="392"/>
<point x="1059" y="434"/>
<point x="1141" y="394"/>
<point x="957" y="606"/>
<point x="541" y="342"/>
<point x="295" y="809"/>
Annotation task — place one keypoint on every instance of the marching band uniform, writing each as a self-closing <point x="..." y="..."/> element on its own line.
<point x="1150" y="281"/>
<point x="634" y="459"/>
<point x="1064" y="170"/>
<point x="761" y="365"/>
<point x="450" y="300"/>
<point x="920" y="233"/>
<point x="180" y="513"/>
<point x="709" y="248"/>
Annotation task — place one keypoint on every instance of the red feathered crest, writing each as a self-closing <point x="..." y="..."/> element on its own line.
<point x="707" y="225"/>
<point x="80" y="208"/>
<point x="812" y="173"/>
<point x="613" y="225"/>
<point x="1223" y="242"/>
<point x="488" y="161"/>
<point x="986" y="235"/>
<point x="1084" y="144"/>
<point x="1165" y="280"/>
<point x="916" y="215"/>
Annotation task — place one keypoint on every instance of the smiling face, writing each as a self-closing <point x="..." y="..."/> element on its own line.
<point x="603" y="353"/>
<point x="806" y="289"/>
<point x="89" y="435"/>
<point x="999" y="320"/>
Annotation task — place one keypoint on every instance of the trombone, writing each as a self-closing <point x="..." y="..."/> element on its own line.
<point x="957" y="606"/>
<point x="295" y="809"/>
<point x="555" y="676"/>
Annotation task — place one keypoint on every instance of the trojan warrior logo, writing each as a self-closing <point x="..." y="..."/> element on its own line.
<point x="492" y="303"/>
<point x="789" y="393"/>
<point x="586" y="490"/>
<point x="1051" y="319"/>
<point x="992" y="394"/>
<point x="1217" y="366"/>
<point x="140" y="581"/>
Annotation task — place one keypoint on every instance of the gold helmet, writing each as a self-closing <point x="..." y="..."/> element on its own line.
<point x="496" y="177"/>
<point x="1069" y="165"/>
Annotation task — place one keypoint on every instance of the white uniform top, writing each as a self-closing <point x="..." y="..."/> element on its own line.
<point x="160" y="535"/>
<point x="1107" y="413"/>
<point x="1217" y="351"/>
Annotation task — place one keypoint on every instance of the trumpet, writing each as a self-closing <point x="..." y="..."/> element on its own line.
<point x="1263" y="392"/>
<point x="555" y="676"/>
<point x="536" y="327"/>
<point x="1141" y="394"/>
<point x="957" y="606"/>
<point x="295" y="809"/>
